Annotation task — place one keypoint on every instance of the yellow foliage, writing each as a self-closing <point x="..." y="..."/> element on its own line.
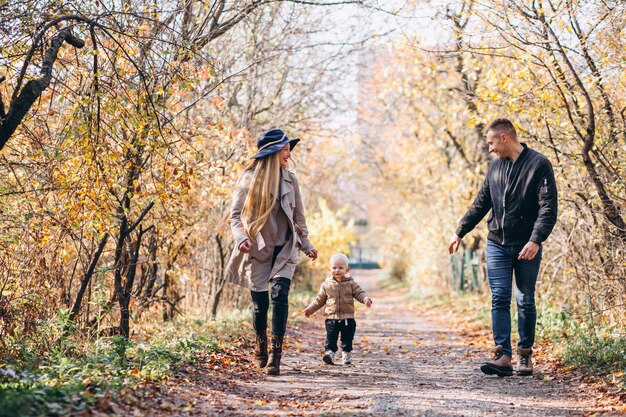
<point x="330" y="232"/>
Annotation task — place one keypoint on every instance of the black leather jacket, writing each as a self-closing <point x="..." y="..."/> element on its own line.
<point x="522" y="197"/>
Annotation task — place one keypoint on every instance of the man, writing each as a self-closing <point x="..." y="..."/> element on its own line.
<point x="520" y="191"/>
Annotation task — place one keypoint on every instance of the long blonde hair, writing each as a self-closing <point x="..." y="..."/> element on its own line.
<point x="262" y="194"/>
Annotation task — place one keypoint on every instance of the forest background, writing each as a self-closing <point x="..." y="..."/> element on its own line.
<point x="125" y="124"/>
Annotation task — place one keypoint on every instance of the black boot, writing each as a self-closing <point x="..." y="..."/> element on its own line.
<point x="260" y="354"/>
<point x="273" y="368"/>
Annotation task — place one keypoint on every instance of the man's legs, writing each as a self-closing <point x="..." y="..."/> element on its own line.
<point x="500" y="274"/>
<point x="526" y="272"/>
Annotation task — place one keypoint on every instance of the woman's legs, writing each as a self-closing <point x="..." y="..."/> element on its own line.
<point x="261" y="301"/>
<point x="260" y="305"/>
<point x="280" y="305"/>
<point x="279" y="296"/>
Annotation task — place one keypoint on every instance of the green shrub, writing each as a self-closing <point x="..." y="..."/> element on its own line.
<point x="598" y="355"/>
<point x="63" y="381"/>
<point x="399" y="269"/>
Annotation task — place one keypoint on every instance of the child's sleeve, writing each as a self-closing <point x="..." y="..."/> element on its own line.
<point x="359" y="293"/>
<point x="319" y="301"/>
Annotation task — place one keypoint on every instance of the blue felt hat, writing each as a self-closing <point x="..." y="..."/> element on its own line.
<point x="273" y="141"/>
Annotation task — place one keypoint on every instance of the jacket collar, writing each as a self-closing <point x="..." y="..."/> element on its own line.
<point x="285" y="175"/>
<point x="284" y="188"/>
<point x="347" y="277"/>
<point x="523" y="154"/>
<point x="286" y="184"/>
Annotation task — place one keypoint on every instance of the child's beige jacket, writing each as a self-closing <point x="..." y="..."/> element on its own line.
<point x="338" y="297"/>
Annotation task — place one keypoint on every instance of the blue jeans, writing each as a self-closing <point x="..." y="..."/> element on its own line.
<point x="501" y="263"/>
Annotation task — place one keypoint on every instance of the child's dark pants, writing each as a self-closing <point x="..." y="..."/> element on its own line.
<point x="347" y="328"/>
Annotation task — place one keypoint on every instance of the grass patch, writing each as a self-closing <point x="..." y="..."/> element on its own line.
<point x="70" y="379"/>
<point x="554" y="323"/>
<point x="472" y="310"/>
<point x="389" y="282"/>
<point x="602" y="356"/>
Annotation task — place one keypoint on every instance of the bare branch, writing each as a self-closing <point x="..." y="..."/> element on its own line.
<point x="143" y="214"/>
<point x="21" y="104"/>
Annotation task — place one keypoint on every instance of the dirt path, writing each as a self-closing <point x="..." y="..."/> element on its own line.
<point x="403" y="366"/>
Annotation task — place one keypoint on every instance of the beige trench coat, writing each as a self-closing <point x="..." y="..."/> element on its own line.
<point x="254" y="270"/>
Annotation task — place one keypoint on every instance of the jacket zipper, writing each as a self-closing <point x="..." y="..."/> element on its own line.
<point x="506" y="187"/>
<point x="503" y="216"/>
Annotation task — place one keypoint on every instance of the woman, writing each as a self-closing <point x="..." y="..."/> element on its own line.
<point x="267" y="222"/>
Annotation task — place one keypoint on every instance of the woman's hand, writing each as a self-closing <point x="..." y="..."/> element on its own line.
<point x="306" y="312"/>
<point x="245" y="246"/>
<point x="368" y="302"/>
<point x="312" y="254"/>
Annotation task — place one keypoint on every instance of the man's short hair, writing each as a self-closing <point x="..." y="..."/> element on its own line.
<point x="500" y="126"/>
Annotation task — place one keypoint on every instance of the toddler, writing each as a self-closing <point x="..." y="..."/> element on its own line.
<point x="337" y="293"/>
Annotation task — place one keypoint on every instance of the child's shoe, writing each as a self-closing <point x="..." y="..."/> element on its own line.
<point x="328" y="357"/>
<point x="346" y="358"/>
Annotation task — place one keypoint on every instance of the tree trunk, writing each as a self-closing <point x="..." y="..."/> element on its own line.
<point x="84" y="283"/>
<point x="152" y="270"/>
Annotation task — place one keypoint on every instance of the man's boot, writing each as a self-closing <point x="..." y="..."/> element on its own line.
<point x="524" y="362"/>
<point x="500" y="364"/>
<point x="273" y="368"/>
<point x="260" y="354"/>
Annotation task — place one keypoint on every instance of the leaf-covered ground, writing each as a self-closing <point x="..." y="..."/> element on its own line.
<point x="404" y="365"/>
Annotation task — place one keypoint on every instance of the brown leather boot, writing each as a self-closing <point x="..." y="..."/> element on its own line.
<point x="524" y="362"/>
<point x="500" y="364"/>
<point x="273" y="368"/>
<point x="260" y="353"/>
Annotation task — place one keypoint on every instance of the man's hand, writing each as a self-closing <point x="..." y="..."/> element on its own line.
<point x="245" y="246"/>
<point x="529" y="251"/>
<point x="312" y="254"/>
<point x="306" y="312"/>
<point x="455" y="242"/>
<point x="368" y="302"/>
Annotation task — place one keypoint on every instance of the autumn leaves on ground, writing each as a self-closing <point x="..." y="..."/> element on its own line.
<point x="409" y="360"/>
